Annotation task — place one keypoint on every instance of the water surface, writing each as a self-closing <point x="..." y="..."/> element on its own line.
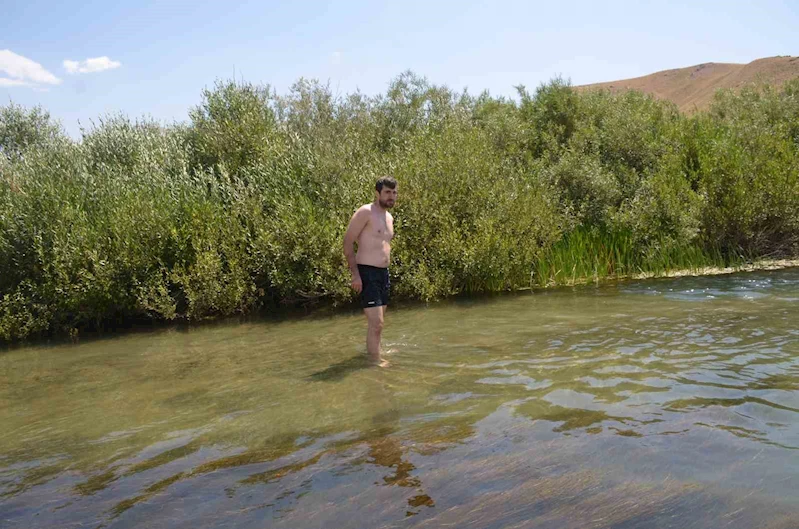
<point x="658" y="403"/>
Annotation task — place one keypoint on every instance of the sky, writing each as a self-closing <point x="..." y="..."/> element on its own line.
<point x="85" y="60"/>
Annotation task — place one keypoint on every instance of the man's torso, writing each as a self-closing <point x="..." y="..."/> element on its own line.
<point x="374" y="242"/>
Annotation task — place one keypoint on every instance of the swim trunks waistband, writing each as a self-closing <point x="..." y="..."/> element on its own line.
<point x="370" y="267"/>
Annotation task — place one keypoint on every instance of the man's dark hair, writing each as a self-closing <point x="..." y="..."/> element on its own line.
<point x="387" y="181"/>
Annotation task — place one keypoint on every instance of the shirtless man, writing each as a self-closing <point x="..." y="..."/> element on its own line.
<point x="372" y="226"/>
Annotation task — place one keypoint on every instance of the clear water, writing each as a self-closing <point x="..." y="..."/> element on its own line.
<point x="660" y="403"/>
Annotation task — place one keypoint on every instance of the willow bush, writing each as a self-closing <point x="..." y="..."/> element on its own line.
<point x="243" y="207"/>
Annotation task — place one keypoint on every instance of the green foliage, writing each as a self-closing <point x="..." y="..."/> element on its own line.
<point x="750" y="171"/>
<point x="550" y="115"/>
<point x="22" y="129"/>
<point x="587" y="191"/>
<point x="664" y="211"/>
<point x="467" y="220"/>
<point x="233" y="126"/>
<point x="245" y="207"/>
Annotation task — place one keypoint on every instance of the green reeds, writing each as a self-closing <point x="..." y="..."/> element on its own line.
<point x="586" y="255"/>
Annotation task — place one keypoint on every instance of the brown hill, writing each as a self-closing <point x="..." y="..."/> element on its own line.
<point x="692" y="88"/>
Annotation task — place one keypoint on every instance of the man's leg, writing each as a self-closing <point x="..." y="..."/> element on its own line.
<point x="374" y="318"/>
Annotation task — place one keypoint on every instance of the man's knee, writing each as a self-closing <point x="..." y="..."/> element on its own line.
<point x="376" y="324"/>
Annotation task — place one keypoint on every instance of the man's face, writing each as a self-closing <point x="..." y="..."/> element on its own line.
<point x="387" y="197"/>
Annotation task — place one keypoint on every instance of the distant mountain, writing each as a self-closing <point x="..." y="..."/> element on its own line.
<point x="692" y="88"/>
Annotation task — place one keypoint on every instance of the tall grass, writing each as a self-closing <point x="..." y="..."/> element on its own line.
<point x="243" y="207"/>
<point x="585" y="255"/>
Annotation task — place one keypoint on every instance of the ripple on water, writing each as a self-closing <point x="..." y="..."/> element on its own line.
<point x="626" y="405"/>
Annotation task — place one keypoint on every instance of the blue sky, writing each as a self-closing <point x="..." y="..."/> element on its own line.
<point x="153" y="58"/>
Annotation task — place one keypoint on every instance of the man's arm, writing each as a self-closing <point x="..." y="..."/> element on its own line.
<point x="357" y="224"/>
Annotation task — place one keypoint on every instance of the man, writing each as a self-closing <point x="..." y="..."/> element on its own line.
<point x="372" y="226"/>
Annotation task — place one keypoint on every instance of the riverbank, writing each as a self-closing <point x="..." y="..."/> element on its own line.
<point x="755" y="266"/>
<point x="322" y="310"/>
<point x="760" y="265"/>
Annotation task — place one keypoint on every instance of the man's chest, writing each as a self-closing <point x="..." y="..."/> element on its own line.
<point x="382" y="228"/>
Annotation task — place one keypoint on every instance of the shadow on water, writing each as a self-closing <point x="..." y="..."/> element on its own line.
<point x="340" y="370"/>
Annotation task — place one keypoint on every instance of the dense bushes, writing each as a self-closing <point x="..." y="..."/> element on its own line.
<point x="243" y="208"/>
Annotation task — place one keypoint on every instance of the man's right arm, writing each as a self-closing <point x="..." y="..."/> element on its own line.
<point x="357" y="224"/>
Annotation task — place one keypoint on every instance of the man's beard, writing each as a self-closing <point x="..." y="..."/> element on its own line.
<point x="385" y="205"/>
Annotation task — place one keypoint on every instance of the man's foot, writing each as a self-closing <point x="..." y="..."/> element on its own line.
<point x="379" y="362"/>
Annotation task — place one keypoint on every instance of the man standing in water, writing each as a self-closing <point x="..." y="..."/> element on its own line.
<point x="372" y="227"/>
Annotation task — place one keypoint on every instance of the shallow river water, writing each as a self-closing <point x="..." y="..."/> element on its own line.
<point x="657" y="403"/>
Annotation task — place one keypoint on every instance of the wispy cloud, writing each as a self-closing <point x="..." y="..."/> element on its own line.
<point x="4" y="81"/>
<point x="96" y="64"/>
<point x="335" y="58"/>
<point x="21" y="71"/>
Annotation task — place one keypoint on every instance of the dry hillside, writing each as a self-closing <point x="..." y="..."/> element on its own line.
<point x="692" y="88"/>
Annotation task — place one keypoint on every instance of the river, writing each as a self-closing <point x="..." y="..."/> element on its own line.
<point x="653" y="403"/>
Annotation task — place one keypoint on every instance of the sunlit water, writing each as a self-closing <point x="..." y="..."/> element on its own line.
<point x="660" y="403"/>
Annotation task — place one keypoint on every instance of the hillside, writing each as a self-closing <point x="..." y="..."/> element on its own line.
<point x="692" y="88"/>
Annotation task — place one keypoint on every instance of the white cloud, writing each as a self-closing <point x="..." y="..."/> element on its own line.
<point x="335" y="57"/>
<point x="4" y="81"/>
<point x="96" y="64"/>
<point x="22" y="71"/>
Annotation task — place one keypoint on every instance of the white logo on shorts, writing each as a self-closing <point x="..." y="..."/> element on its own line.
<point x="370" y="303"/>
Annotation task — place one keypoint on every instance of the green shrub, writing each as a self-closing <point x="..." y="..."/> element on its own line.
<point x="244" y="208"/>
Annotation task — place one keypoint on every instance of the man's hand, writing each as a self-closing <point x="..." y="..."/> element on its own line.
<point x="357" y="285"/>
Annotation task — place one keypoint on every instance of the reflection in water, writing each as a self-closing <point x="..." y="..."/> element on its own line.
<point x="644" y="404"/>
<point x="386" y="450"/>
